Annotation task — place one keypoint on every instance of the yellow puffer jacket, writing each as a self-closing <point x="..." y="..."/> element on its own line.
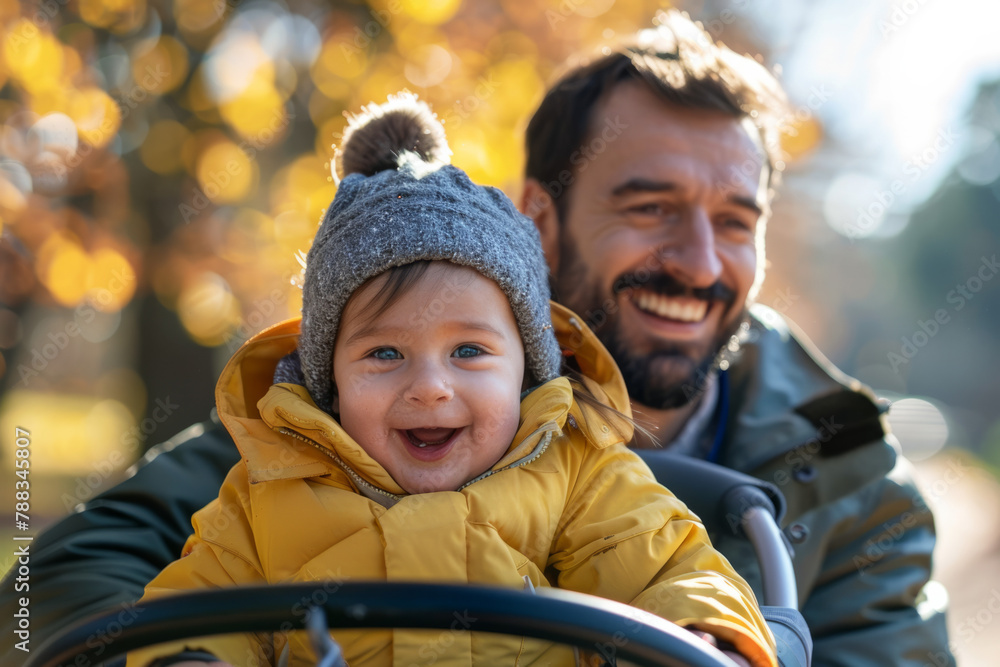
<point x="568" y="505"/>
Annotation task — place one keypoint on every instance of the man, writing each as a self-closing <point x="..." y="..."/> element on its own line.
<point x="648" y="177"/>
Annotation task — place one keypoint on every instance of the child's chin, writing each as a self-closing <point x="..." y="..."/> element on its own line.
<point x="431" y="488"/>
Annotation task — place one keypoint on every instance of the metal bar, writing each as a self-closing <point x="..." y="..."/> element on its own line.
<point x="608" y="628"/>
<point x="776" y="569"/>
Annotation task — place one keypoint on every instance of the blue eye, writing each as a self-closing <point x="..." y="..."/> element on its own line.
<point x="387" y="354"/>
<point x="467" y="351"/>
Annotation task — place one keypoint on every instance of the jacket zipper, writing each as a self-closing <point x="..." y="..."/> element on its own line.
<point x="539" y="450"/>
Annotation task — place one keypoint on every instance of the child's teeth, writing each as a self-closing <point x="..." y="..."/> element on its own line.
<point x="429" y="437"/>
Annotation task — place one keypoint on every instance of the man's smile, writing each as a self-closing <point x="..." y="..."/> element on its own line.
<point x="681" y="309"/>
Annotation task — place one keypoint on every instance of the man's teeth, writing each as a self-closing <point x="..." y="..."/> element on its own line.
<point x="671" y="308"/>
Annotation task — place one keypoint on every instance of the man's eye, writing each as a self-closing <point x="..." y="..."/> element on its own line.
<point x="467" y="351"/>
<point x="647" y="209"/>
<point x="736" y="223"/>
<point x="653" y="213"/>
<point x="387" y="354"/>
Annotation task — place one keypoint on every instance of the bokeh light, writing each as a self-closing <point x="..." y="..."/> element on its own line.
<point x="111" y="281"/>
<point x="78" y="431"/>
<point x="118" y="16"/>
<point x="426" y="11"/>
<point x="208" y="309"/>
<point x="225" y="173"/>
<point x="63" y="268"/>
<point x="919" y="426"/>
<point x="160" y="68"/>
<point x="97" y="116"/>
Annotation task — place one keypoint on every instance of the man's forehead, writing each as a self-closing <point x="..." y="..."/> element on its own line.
<point x="693" y="147"/>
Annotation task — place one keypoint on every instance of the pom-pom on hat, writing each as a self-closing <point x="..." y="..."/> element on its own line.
<point x="399" y="201"/>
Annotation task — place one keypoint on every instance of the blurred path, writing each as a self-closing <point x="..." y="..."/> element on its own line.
<point x="965" y="500"/>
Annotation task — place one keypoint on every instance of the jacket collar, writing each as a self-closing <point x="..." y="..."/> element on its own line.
<point x="600" y="375"/>
<point x="255" y="411"/>
<point x="785" y="394"/>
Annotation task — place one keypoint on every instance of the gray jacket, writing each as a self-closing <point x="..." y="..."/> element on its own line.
<point x="861" y="531"/>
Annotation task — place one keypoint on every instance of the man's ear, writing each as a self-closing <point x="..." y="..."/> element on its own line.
<point x="538" y="205"/>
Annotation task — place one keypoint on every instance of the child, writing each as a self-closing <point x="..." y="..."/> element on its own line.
<point x="417" y="428"/>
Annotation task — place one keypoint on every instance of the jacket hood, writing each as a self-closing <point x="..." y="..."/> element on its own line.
<point x="259" y="415"/>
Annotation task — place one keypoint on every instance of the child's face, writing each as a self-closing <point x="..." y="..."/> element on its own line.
<point x="430" y="388"/>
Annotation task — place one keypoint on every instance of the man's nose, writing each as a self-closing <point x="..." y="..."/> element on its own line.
<point x="429" y="384"/>
<point x="690" y="254"/>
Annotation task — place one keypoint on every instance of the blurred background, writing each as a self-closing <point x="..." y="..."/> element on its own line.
<point x="163" y="163"/>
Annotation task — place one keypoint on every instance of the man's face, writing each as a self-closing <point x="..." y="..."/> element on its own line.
<point x="657" y="251"/>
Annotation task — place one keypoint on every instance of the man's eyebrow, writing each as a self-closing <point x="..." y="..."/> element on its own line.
<point x="635" y="185"/>
<point x="746" y="202"/>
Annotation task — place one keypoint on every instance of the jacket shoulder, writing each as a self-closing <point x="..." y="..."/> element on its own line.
<point x="787" y="395"/>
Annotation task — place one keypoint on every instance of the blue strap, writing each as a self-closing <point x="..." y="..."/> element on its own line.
<point x="721" y="416"/>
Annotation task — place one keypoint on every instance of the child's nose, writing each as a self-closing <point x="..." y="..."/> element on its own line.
<point x="429" y="385"/>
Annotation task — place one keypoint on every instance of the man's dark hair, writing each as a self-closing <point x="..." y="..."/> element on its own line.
<point x="680" y="63"/>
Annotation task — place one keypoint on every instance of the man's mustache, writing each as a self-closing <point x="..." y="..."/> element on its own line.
<point x="667" y="285"/>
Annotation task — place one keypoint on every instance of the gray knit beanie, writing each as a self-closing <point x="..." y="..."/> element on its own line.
<point x="400" y="202"/>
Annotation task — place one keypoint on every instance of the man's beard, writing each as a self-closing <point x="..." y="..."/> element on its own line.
<point x="644" y="375"/>
<point x="670" y="375"/>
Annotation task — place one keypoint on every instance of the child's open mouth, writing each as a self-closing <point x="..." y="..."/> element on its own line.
<point x="428" y="444"/>
<point x="429" y="437"/>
